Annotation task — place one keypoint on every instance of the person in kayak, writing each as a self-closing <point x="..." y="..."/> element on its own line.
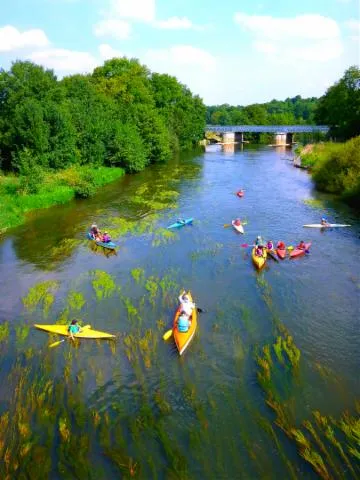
<point x="106" y="238"/>
<point x="237" y="222"/>
<point x="183" y="323"/>
<point x="259" y="251"/>
<point x="181" y="220"/>
<point x="324" y="222"/>
<point x="259" y="241"/>
<point x="240" y="192"/>
<point x="280" y="245"/>
<point x="74" y="328"/>
<point x="95" y="233"/>
<point x="301" y="245"/>
<point x="270" y="245"/>
<point x="186" y="305"/>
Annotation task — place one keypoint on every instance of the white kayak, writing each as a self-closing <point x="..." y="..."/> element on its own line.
<point x="331" y="225"/>
<point x="238" y="228"/>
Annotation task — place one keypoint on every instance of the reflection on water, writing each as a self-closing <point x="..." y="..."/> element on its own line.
<point x="273" y="365"/>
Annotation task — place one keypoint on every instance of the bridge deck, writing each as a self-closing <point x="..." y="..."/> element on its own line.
<point x="267" y="128"/>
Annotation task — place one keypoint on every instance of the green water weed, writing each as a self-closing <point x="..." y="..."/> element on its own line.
<point x="41" y="293"/>
<point x="103" y="284"/>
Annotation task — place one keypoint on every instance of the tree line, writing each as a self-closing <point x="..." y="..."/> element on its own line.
<point x="291" y="111"/>
<point x="120" y="115"/>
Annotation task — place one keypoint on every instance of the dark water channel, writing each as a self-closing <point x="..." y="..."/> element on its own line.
<point x="233" y="405"/>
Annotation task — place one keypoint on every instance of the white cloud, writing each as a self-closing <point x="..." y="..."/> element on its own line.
<point x="65" y="61"/>
<point x="140" y="10"/>
<point x="181" y="56"/>
<point x="304" y="37"/>
<point x="302" y="26"/>
<point x="119" y="29"/>
<point x="12" y="39"/>
<point x="353" y="25"/>
<point x="175" y="23"/>
<point x="107" y="52"/>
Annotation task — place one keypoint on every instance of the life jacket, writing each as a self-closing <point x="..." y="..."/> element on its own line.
<point x="183" y="324"/>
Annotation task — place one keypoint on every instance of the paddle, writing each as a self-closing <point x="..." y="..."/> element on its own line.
<point x="55" y="344"/>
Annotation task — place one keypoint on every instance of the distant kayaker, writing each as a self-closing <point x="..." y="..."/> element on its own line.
<point x="181" y="220"/>
<point x="186" y="305"/>
<point x="240" y="193"/>
<point x="183" y="323"/>
<point x="74" y="328"/>
<point x="259" y="251"/>
<point x="259" y="241"/>
<point x="301" y="245"/>
<point x="324" y="222"/>
<point x="95" y="232"/>
<point x="237" y="222"/>
<point x="280" y="245"/>
<point x="270" y="245"/>
<point x="106" y="238"/>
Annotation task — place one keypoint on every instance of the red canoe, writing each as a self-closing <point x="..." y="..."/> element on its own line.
<point x="297" y="252"/>
<point x="281" y="252"/>
<point x="240" y="193"/>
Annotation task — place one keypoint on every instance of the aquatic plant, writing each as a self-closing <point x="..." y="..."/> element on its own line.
<point x="132" y="311"/>
<point x="315" y="203"/>
<point x="278" y="349"/>
<point x="41" y="293"/>
<point x="4" y="331"/>
<point x="291" y="350"/>
<point x="162" y="237"/>
<point x="22" y="332"/>
<point x="103" y="284"/>
<point x="151" y="286"/>
<point x="138" y="274"/>
<point x="76" y="300"/>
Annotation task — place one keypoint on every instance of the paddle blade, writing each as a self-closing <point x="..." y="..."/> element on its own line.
<point x="55" y="344"/>
<point x="227" y="225"/>
<point x="167" y="334"/>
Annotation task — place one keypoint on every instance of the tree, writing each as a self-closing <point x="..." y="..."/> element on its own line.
<point x="340" y="106"/>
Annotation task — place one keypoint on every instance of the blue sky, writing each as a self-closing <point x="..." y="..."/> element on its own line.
<point x="236" y="51"/>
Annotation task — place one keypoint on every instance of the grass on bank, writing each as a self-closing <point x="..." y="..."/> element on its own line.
<point x="335" y="168"/>
<point x="43" y="189"/>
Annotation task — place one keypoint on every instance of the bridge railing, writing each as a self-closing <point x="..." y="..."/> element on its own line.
<point x="267" y="128"/>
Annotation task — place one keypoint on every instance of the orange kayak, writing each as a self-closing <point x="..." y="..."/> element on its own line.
<point x="183" y="339"/>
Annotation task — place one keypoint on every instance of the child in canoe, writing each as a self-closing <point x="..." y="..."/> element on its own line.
<point x="106" y="238"/>
<point x="270" y="245"/>
<point x="74" y="328"/>
<point x="183" y="323"/>
<point x="95" y="233"/>
<point x="237" y="222"/>
<point x="186" y="305"/>
<point x="259" y="251"/>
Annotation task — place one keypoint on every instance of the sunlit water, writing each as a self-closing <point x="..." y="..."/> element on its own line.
<point x="199" y="415"/>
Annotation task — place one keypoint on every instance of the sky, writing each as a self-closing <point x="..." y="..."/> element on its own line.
<point x="236" y="51"/>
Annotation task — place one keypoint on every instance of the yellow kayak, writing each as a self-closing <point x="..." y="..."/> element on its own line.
<point x="259" y="262"/>
<point x="183" y="339"/>
<point x="63" y="330"/>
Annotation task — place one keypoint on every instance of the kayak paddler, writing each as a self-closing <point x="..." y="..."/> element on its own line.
<point x="74" y="328"/>
<point x="324" y="222"/>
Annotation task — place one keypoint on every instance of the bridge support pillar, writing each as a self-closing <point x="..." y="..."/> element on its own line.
<point x="280" y="139"/>
<point x="289" y="138"/>
<point x="228" y="137"/>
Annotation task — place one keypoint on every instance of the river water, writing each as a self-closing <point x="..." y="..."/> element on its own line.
<point x="133" y="408"/>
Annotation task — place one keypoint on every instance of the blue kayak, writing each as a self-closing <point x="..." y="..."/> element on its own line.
<point x="181" y="223"/>
<point x="109" y="245"/>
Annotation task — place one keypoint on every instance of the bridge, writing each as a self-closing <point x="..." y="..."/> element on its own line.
<point x="283" y="133"/>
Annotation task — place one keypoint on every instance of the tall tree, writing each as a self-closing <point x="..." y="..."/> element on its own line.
<point x="340" y="106"/>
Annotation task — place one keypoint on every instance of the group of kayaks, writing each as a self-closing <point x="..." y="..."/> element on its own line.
<point x="279" y="252"/>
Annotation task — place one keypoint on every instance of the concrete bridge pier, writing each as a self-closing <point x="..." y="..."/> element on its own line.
<point x="232" y="137"/>
<point x="280" y="139"/>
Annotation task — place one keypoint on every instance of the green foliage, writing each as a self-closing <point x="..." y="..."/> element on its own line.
<point x="4" y="331"/>
<point x="103" y="284"/>
<point x="41" y="293"/>
<point x="120" y="115"/>
<point x="288" y="112"/>
<point x="76" y="300"/>
<point x="340" y="106"/>
<point x="336" y="168"/>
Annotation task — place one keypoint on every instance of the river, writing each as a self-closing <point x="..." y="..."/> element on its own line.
<point x="230" y="407"/>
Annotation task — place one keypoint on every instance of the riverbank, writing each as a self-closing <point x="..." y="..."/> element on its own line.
<point x="335" y="168"/>
<point x="42" y="189"/>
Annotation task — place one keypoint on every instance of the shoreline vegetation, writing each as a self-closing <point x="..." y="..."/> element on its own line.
<point x="335" y="168"/>
<point x="61" y="139"/>
<point x="52" y="189"/>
